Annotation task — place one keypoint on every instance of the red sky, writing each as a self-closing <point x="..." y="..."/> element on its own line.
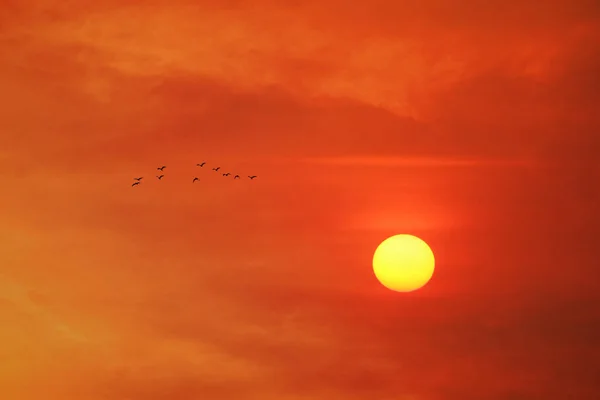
<point x="471" y="124"/>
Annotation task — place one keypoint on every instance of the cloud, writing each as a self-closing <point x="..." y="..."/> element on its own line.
<point x="18" y="297"/>
<point x="413" y="162"/>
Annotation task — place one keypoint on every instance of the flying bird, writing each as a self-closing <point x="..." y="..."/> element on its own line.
<point x="160" y="176"/>
<point x="138" y="179"/>
<point x="135" y="183"/>
<point x="201" y="165"/>
<point x="216" y="169"/>
<point x="161" y="168"/>
<point x="195" y="179"/>
<point x="251" y="176"/>
<point x="236" y="177"/>
<point x="227" y="174"/>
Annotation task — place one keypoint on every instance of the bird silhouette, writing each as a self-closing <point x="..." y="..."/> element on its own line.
<point x="160" y="176"/>
<point x="135" y="183"/>
<point x="251" y="176"/>
<point x="139" y="179"/>
<point x="216" y="169"/>
<point x="227" y="174"/>
<point x="161" y="168"/>
<point x="195" y="179"/>
<point x="236" y="177"/>
<point x="201" y="165"/>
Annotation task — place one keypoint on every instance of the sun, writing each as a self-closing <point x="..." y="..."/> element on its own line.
<point x="403" y="263"/>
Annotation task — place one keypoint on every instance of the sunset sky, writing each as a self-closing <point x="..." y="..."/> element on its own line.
<point x="471" y="124"/>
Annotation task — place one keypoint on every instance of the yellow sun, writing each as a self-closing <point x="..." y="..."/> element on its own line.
<point x="403" y="263"/>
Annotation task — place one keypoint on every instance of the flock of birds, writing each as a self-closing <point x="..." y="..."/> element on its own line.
<point x="162" y="168"/>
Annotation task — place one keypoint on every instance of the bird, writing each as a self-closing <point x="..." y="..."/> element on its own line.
<point x="227" y="174"/>
<point x="135" y="183"/>
<point x="139" y="179"/>
<point x="251" y="176"/>
<point x="160" y="176"/>
<point x="201" y="165"/>
<point x="236" y="177"/>
<point x="216" y="169"/>
<point x="195" y="179"/>
<point x="161" y="168"/>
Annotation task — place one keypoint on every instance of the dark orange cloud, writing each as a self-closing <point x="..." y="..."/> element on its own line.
<point x="473" y="126"/>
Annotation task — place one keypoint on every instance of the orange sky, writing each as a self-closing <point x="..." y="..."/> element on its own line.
<point x="471" y="124"/>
